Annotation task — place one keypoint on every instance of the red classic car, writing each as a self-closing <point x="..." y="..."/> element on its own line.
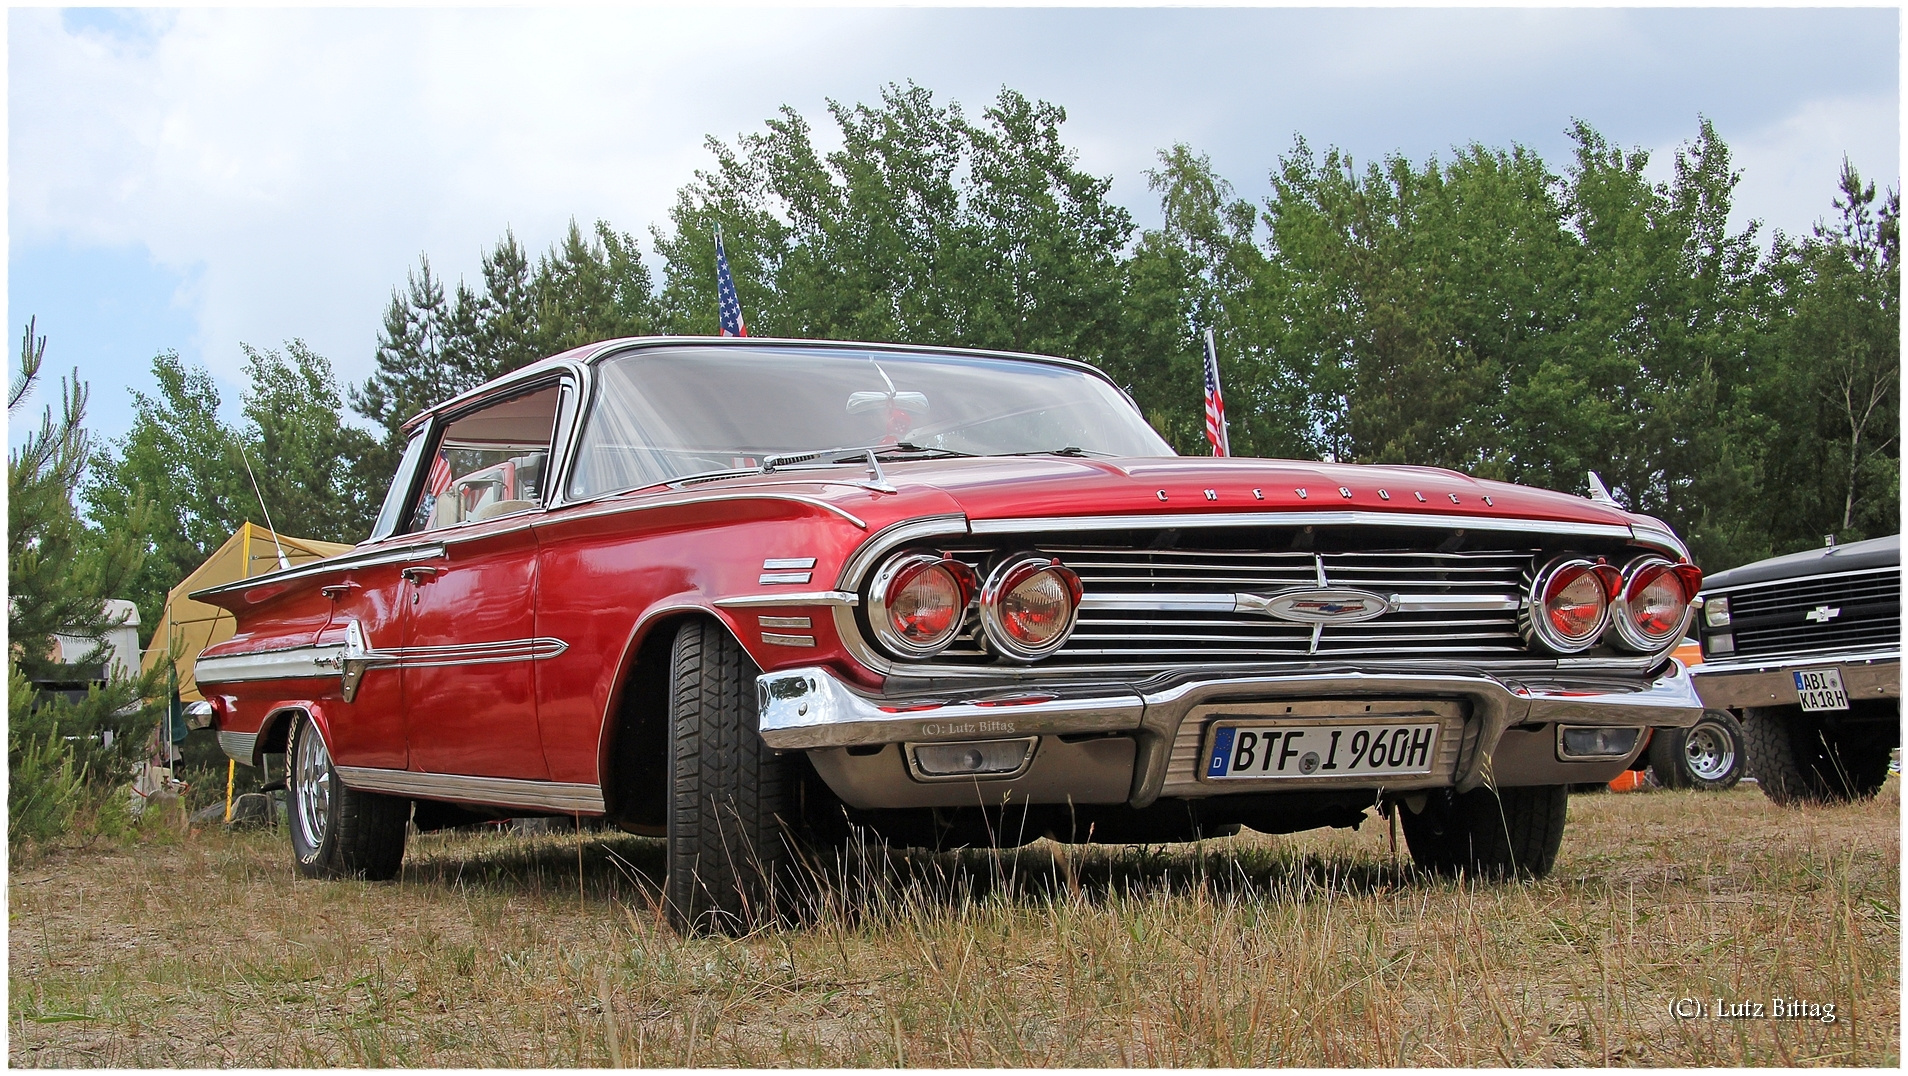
<point x="639" y="580"/>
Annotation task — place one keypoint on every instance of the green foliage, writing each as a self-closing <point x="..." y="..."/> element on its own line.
<point x="59" y="578"/>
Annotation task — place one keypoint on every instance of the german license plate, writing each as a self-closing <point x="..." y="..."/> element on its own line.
<point x="1820" y="689"/>
<point x="1263" y="749"/>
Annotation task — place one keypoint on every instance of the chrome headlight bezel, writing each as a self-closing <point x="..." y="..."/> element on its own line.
<point x="1009" y="573"/>
<point x="1536" y="622"/>
<point x="899" y="569"/>
<point x="1624" y="627"/>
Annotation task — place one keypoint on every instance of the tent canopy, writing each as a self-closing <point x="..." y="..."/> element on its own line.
<point x="188" y="627"/>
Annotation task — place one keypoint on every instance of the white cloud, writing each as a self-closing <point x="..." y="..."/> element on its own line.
<point x="1791" y="168"/>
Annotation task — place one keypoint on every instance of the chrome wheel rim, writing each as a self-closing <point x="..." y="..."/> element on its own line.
<point x="311" y="773"/>
<point x="1711" y="752"/>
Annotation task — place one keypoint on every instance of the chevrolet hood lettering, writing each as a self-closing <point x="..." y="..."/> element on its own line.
<point x="1318" y="605"/>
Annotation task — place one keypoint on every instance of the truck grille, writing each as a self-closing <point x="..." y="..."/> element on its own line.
<point x="1774" y="619"/>
<point x="1128" y="614"/>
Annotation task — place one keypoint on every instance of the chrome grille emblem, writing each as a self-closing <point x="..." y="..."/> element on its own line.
<point x="1822" y="614"/>
<point x="1319" y="605"/>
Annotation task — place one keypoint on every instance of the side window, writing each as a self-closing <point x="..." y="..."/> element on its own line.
<point x="490" y="462"/>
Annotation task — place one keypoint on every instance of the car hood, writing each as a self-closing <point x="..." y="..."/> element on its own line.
<point x="1829" y="560"/>
<point x="1050" y="487"/>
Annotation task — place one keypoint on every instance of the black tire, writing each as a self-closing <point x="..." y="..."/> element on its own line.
<point x="1798" y="758"/>
<point x="1488" y="833"/>
<point x="1710" y="755"/>
<point x="729" y="791"/>
<point x="338" y="832"/>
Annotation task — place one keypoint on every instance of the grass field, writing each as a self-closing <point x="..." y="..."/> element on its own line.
<point x="201" y="949"/>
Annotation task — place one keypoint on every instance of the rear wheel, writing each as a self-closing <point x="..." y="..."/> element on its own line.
<point x="339" y="832"/>
<point x="1709" y="755"/>
<point x="729" y="791"/>
<point x="1488" y="833"/>
<point x="1799" y="758"/>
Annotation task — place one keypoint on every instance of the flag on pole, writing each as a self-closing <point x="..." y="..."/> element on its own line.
<point x="1215" y="403"/>
<point x="728" y="307"/>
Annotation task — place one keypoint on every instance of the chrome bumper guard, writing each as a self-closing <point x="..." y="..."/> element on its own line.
<point x="810" y="707"/>
<point x="1727" y="685"/>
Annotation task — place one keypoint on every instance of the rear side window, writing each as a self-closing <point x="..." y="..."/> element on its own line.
<point x="490" y="462"/>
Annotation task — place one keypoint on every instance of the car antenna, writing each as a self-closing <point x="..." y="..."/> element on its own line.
<point x="283" y="562"/>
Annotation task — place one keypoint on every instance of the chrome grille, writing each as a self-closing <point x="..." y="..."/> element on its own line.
<point x="1773" y="619"/>
<point x="1167" y="607"/>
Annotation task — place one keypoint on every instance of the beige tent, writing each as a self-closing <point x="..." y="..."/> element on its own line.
<point x="191" y="626"/>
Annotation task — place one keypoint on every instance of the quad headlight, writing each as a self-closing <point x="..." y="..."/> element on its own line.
<point x="916" y="603"/>
<point x="1652" y="608"/>
<point x="1570" y="603"/>
<point x="1028" y="606"/>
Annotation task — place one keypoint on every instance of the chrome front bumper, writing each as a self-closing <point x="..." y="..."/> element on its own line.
<point x="810" y="708"/>
<point x="1727" y="685"/>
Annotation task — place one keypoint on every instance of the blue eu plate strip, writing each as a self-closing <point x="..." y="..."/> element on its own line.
<point x="1221" y="751"/>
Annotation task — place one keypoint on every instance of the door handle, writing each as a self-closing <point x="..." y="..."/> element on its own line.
<point x="337" y="590"/>
<point x="418" y="573"/>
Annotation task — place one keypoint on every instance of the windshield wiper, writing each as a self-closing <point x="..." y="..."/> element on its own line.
<point x="867" y="452"/>
<point x="1071" y="450"/>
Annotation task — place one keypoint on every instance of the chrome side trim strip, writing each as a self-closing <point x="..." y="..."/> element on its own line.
<point x="808" y="597"/>
<point x="782" y="564"/>
<point x="768" y="578"/>
<point x="294" y="664"/>
<point x="1291" y="519"/>
<point x="422" y="657"/>
<point x="499" y="791"/>
<point x="432" y="550"/>
<point x="238" y="746"/>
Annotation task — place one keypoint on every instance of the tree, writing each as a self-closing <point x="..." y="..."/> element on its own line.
<point x="182" y="460"/>
<point x="312" y="468"/>
<point x="59" y="577"/>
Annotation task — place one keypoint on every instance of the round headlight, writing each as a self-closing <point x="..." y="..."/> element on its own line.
<point x="1570" y="603"/>
<point x="1028" y="606"/>
<point x="917" y="601"/>
<point x="1652" y="610"/>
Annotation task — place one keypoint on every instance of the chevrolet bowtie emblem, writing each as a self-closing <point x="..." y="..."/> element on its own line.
<point x="1822" y="614"/>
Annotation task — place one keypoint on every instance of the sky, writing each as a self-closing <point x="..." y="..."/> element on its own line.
<point x="192" y="180"/>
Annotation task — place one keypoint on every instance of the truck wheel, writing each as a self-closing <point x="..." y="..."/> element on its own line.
<point x="339" y="832"/>
<point x="1709" y="755"/>
<point x="1796" y="759"/>
<point x="728" y="790"/>
<point x="1488" y="833"/>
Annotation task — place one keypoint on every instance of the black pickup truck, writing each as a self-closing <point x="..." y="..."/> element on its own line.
<point x="1806" y="650"/>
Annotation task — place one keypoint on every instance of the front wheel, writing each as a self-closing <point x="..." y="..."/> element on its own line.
<point x="729" y="791"/>
<point x="1488" y="833"/>
<point x="339" y="832"/>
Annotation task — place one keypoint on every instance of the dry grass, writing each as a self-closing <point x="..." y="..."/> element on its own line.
<point x="1306" y="950"/>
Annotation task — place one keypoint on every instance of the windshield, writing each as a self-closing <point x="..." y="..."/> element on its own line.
<point x="669" y="413"/>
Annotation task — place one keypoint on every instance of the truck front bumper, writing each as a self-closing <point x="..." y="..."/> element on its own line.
<point x="1733" y="685"/>
<point x="811" y="709"/>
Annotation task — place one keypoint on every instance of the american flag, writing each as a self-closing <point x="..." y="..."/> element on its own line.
<point x="440" y="475"/>
<point x="1215" y="403"/>
<point x="728" y="307"/>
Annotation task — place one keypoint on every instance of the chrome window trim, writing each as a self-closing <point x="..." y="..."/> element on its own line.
<point x="500" y="791"/>
<point x="1290" y="519"/>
